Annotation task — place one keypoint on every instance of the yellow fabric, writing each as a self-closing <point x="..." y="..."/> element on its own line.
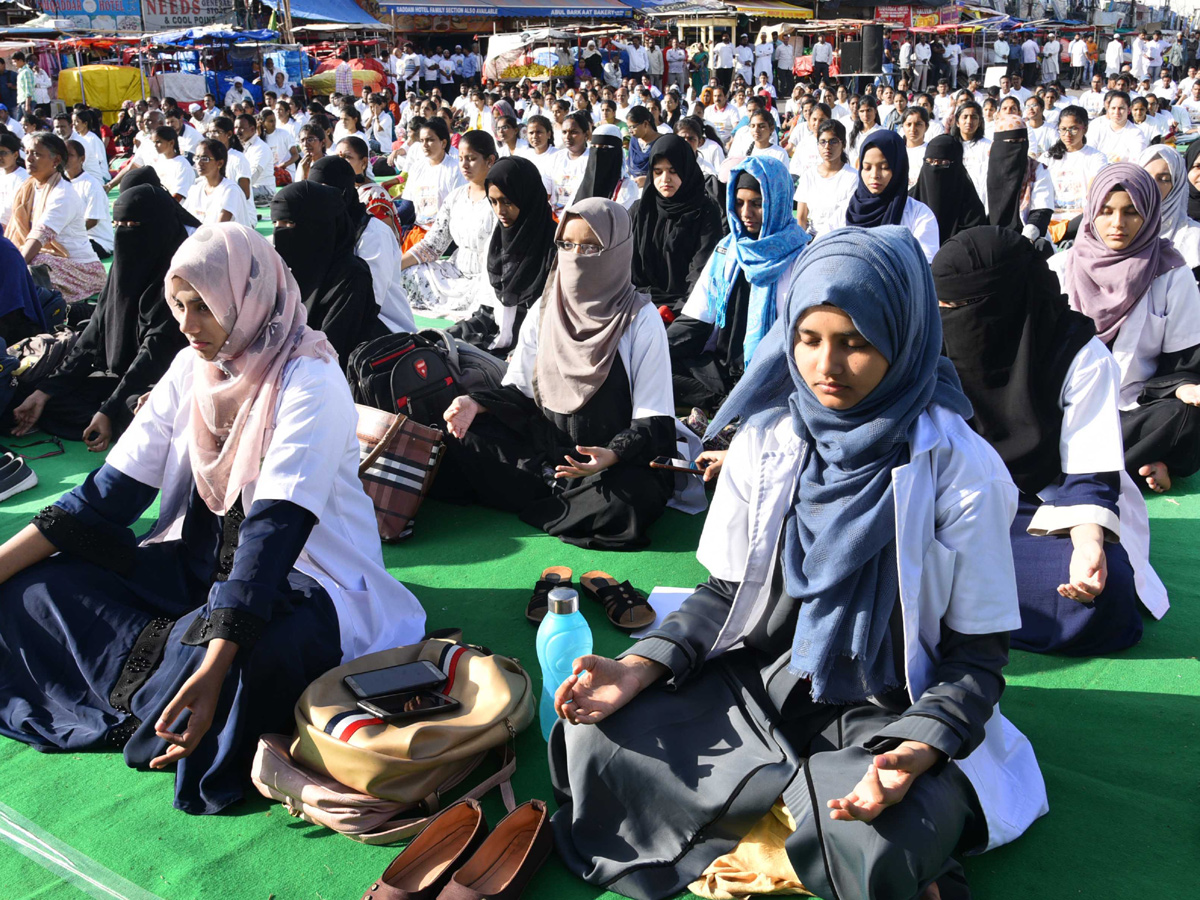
<point x="759" y="864"/>
<point x="324" y="82"/>
<point x="104" y="87"/>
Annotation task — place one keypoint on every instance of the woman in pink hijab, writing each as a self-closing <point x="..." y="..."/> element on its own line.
<point x="1135" y="286"/>
<point x="263" y="570"/>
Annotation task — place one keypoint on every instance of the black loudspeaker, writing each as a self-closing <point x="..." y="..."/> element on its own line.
<point x="872" y="49"/>
<point x="852" y="57"/>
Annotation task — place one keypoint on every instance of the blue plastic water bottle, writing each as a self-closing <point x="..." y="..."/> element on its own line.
<point x="563" y="637"/>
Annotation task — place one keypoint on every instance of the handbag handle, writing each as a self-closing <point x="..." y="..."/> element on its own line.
<point x="398" y="420"/>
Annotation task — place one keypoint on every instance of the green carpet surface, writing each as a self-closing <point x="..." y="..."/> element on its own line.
<point x="1118" y="739"/>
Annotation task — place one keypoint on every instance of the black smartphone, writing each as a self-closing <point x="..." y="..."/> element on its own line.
<point x="403" y="679"/>
<point x="677" y="465"/>
<point x="409" y="706"/>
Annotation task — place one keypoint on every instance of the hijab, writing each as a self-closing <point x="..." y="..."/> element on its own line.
<point x="868" y="210"/>
<point x="254" y="297"/>
<point x="762" y="260"/>
<point x="520" y="256"/>
<point x="139" y="176"/>
<point x="335" y="172"/>
<point x="1012" y="340"/>
<point x="1174" y="206"/>
<point x="321" y="233"/>
<point x="1106" y="284"/>
<point x="605" y="165"/>
<point x="1193" y="207"/>
<point x="668" y="231"/>
<point x="839" y="541"/>
<point x="132" y="301"/>
<point x="589" y="306"/>
<point x="947" y="189"/>
<point x="1010" y="173"/>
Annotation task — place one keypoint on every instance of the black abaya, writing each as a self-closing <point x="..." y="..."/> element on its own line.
<point x="132" y="337"/>
<point x="318" y="247"/>
<point x="673" y="236"/>
<point x="946" y="188"/>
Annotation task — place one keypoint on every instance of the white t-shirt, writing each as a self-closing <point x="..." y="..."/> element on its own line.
<point x="237" y="167"/>
<point x="175" y="174"/>
<point x="262" y="163"/>
<point x="1072" y="176"/>
<point x="206" y="204"/>
<point x="281" y="141"/>
<point x="1119" y="146"/>
<point x="916" y="159"/>
<point x="428" y="185"/>
<point x="565" y="175"/>
<point x="826" y="198"/>
<point x="95" y="161"/>
<point x="90" y="190"/>
<point x="723" y="120"/>
<point x="1093" y="102"/>
<point x="8" y="190"/>
<point x="64" y="214"/>
<point x="543" y="161"/>
<point x="722" y="55"/>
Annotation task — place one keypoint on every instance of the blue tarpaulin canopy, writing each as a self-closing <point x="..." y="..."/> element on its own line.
<point x="534" y="9"/>
<point x="347" y="12"/>
<point x="191" y="35"/>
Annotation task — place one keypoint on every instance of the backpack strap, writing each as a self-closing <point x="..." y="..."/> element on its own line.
<point x="401" y="829"/>
<point x="443" y="341"/>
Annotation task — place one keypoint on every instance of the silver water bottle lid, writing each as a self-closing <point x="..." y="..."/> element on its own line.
<point x="564" y="601"/>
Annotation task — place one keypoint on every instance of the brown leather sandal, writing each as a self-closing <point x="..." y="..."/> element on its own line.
<point x="426" y="865"/>
<point x="626" y="607"/>
<point x="507" y="860"/>
<point x="553" y="577"/>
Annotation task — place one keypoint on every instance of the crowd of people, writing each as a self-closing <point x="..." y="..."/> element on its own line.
<point x="926" y="349"/>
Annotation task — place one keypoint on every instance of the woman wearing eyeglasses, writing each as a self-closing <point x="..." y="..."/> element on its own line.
<point x="824" y="190"/>
<point x="508" y="138"/>
<point x="567" y="440"/>
<point x="1073" y="163"/>
<point x="214" y="198"/>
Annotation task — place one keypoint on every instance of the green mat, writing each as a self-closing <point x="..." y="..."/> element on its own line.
<point x="1118" y="739"/>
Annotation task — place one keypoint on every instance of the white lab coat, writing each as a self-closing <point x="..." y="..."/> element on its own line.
<point x="312" y="461"/>
<point x="954" y="505"/>
<point x="643" y="352"/>
<point x="1091" y="441"/>
<point x="379" y="249"/>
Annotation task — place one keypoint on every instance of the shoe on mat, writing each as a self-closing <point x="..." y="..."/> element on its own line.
<point x="626" y="607"/>
<point x="16" y="476"/>
<point x="553" y="577"/>
<point x="507" y="860"/>
<point x="430" y="860"/>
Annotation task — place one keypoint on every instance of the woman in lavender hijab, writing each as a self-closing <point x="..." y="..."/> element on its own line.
<point x="1135" y="286"/>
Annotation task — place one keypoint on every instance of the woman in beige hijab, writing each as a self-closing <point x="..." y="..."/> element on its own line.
<point x="566" y="441"/>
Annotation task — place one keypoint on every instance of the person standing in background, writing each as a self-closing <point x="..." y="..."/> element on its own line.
<point x="1000" y="51"/>
<point x="26" y="86"/>
<point x="1114" y="56"/>
<point x="822" y="55"/>
<point x="764" y="59"/>
<point x="785" y="59"/>
<point x="1029" y="58"/>
<point x="677" y="66"/>
<point x="472" y="66"/>
<point x="921" y="56"/>
<point x="1078" y="49"/>
<point x="1154" y="56"/>
<point x="953" y="53"/>
<point x="8" y="86"/>
<point x="743" y="55"/>
<point x="1175" y="57"/>
<point x="906" y="59"/>
<point x="1051" y="52"/>
<point x="722" y="61"/>
<point x="654" y="63"/>
<point x="343" y="77"/>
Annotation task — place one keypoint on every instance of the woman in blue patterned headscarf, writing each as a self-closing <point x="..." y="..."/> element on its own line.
<point x="737" y="298"/>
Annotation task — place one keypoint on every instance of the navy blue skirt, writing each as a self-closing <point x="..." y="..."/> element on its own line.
<point x="1051" y="623"/>
<point x="68" y="628"/>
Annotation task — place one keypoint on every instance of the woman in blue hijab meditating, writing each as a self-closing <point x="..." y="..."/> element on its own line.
<point x="822" y="712"/>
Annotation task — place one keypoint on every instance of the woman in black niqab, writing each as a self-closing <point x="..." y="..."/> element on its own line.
<point x="946" y="188"/>
<point x="673" y="236"/>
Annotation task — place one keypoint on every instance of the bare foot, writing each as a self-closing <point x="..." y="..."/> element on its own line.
<point x="1157" y="477"/>
<point x="931" y="893"/>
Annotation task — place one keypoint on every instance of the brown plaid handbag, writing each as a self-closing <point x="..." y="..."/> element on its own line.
<point x="399" y="459"/>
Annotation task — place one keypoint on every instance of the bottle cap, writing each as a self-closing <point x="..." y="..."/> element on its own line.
<point x="564" y="601"/>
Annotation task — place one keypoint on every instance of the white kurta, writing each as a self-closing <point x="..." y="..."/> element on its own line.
<point x="456" y="287"/>
<point x="311" y="461"/>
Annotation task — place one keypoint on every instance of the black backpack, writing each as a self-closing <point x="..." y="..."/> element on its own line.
<point x="403" y="373"/>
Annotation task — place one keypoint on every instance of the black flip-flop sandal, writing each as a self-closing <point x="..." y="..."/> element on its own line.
<point x="539" y="603"/>
<point x="625" y="606"/>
